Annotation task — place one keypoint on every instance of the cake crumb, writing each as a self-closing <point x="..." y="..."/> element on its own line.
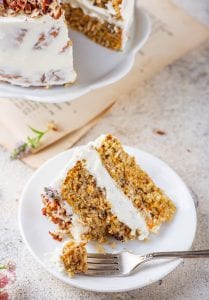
<point x="52" y="126"/>
<point x="112" y="245"/>
<point x="74" y="257"/>
<point x="159" y="132"/>
<point x="56" y="236"/>
<point x="100" y="248"/>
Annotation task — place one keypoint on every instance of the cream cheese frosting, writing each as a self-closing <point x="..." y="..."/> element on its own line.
<point x="35" y="51"/>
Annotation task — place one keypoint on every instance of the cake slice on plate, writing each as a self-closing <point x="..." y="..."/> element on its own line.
<point x="107" y="22"/>
<point x="35" y="49"/>
<point x="103" y="192"/>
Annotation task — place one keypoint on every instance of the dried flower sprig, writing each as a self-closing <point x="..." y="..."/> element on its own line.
<point x="23" y="149"/>
<point x="7" y="277"/>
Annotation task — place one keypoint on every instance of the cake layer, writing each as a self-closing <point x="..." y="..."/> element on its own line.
<point x="35" y="51"/>
<point x="103" y="33"/>
<point x="89" y="202"/>
<point x="106" y="25"/>
<point x="135" y="183"/>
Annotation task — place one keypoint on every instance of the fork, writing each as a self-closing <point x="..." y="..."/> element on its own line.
<point x="125" y="263"/>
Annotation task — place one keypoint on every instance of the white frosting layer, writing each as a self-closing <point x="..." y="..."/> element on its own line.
<point x="108" y="14"/>
<point x="96" y="11"/>
<point x="34" y="52"/>
<point x="128" y="16"/>
<point x="77" y="229"/>
<point x="121" y="206"/>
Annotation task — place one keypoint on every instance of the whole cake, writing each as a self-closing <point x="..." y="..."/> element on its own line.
<point x="35" y="49"/>
<point x="104" y="193"/>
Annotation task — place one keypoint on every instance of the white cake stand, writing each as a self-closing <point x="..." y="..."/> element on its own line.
<point x="96" y="66"/>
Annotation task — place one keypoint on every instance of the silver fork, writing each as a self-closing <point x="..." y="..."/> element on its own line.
<point x="125" y="263"/>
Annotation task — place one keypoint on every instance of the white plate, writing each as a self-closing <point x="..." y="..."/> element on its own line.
<point x="96" y="66"/>
<point x="177" y="235"/>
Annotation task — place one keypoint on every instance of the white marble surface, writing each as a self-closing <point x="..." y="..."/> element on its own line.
<point x="175" y="101"/>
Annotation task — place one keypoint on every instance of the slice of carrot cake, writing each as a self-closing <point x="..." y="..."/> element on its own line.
<point x="103" y="192"/>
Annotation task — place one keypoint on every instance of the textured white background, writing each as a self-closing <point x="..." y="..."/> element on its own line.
<point x="175" y="101"/>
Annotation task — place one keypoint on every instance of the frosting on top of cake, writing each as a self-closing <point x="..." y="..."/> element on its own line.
<point x="34" y="8"/>
<point x="109" y="14"/>
<point x="105" y="14"/>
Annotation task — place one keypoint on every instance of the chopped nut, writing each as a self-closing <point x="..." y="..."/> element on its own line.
<point x="31" y="7"/>
<point x="56" y="236"/>
<point x="160" y="132"/>
<point x="52" y="126"/>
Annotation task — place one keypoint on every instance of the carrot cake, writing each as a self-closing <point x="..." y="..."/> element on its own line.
<point x="103" y="192"/>
<point x="35" y="49"/>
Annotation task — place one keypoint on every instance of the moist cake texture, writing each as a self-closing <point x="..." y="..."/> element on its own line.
<point x="89" y="201"/>
<point x="107" y="23"/>
<point x="135" y="183"/>
<point x="74" y="257"/>
<point x="103" y="33"/>
<point x="103" y="192"/>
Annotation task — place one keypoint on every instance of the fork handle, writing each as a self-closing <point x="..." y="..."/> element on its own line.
<point x="179" y="254"/>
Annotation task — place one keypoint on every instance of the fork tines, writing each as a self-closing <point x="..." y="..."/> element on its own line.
<point x="102" y="264"/>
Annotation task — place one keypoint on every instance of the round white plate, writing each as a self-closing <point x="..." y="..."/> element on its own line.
<point x="177" y="235"/>
<point x="96" y="66"/>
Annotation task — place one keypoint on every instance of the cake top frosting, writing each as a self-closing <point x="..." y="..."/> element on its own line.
<point x="112" y="6"/>
<point x="33" y="8"/>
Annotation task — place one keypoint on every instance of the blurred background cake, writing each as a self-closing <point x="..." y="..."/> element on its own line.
<point x="35" y="49"/>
